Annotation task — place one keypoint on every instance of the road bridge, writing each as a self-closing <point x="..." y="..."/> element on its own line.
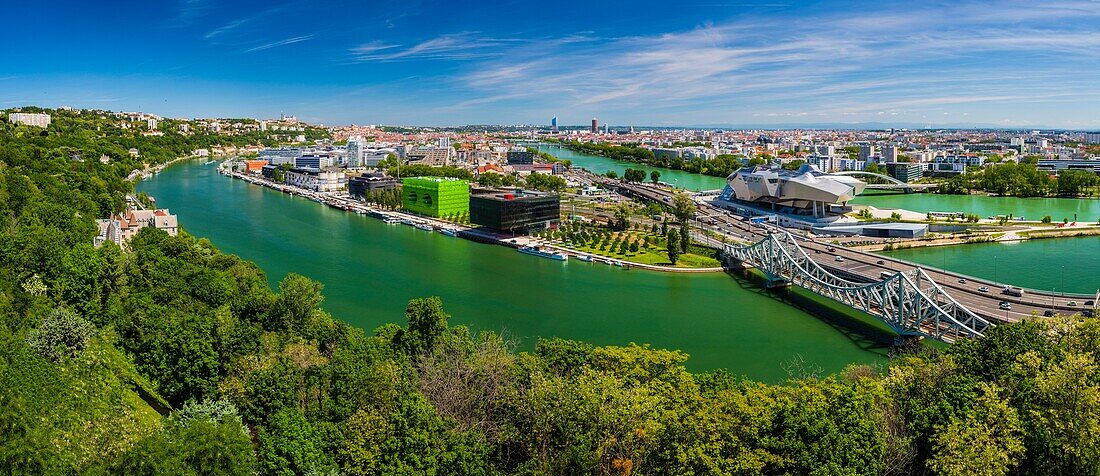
<point x="983" y="297"/>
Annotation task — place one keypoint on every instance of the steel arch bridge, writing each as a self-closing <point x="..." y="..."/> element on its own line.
<point x="911" y="303"/>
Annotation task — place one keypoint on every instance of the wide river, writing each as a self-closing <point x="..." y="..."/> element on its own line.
<point x="370" y="270"/>
<point x="1072" y="264"/>
<point x="1059" y="264"/>
<point x="601" y="165"/>
<point x="1031" y="208"/>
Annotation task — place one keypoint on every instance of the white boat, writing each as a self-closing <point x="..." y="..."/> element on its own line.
<point x="534" y="250"/>
<point x="391" y="220"/>
<point x="587" y="258"/>
<point x="449" y="231"/>
<point x="424" y="227"/>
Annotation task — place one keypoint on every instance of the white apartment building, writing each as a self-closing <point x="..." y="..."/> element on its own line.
<point x="316" y="180"/>
<point x="30" y="119"/>
<point x="827" y="163"/>
<point x="849" y="164"/>
<point x="367" y="154"/>
<point x="355" y="152"/>
<point x="954" y="164"/>
<point x="281" y="155"/>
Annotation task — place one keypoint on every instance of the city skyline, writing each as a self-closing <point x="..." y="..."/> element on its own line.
<point x="1000" y="64"/>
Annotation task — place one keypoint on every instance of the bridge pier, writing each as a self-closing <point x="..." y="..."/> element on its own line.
<point x="776" y="283"/>
<point x="906" y="341"/>
<point x="734" y="264"/>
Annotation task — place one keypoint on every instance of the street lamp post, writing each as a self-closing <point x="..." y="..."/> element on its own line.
<point x="995" y="271"/>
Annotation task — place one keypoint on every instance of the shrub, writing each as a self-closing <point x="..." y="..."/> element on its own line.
<point x="62" y="334"/>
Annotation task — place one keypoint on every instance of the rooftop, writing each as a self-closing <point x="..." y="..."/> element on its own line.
<point x="517" y="194"/>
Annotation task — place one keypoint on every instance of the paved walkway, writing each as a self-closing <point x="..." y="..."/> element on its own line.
<point x="626" y="263"/>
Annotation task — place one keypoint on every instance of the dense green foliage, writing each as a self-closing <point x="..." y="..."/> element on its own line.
<point x="544" y="182"/>
<point x="171" y="357"/>
<point x="720" y="166"/>
<point x="1021" y="180"/>
<point x="421" y="170"/>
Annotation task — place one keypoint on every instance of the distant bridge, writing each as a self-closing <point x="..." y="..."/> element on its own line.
<point x="911" y="303"/>
<point x="891" y="182"/>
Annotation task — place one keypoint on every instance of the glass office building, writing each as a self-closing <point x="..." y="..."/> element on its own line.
<point x="517" y="211"/>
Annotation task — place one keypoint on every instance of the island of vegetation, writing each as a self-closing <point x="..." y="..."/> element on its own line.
<point x="170" y="357"/>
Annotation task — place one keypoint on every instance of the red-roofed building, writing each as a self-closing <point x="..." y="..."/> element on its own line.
<point x="254" y="166"/>
<point x="492" y="168"/>
<point x="120" y="228"/>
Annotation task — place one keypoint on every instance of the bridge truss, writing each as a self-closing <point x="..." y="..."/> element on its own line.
<point x="911" y="303"/>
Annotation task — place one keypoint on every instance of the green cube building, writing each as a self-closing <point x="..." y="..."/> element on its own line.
<point x="436" y="196"/>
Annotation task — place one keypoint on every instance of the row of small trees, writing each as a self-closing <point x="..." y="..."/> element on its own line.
<point x="677" y="241"/>
<point x="639" y="175"/>
<point x="1021" y="180"/>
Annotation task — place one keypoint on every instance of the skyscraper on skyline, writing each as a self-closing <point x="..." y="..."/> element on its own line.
<point x="595" y="125"/>
<point x="554" y="125"/>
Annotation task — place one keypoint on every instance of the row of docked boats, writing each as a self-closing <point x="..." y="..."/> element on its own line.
<point x="544" y="253"/>
<point x="344" y="204"/>
<point x="560" y="256"/>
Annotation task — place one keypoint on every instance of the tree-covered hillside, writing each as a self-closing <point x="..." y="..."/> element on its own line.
<point x="174" y="358"/>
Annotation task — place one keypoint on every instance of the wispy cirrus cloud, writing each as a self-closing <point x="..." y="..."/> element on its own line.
<point x="188" y="11"/>
<point x="902" y="60"/>
<point x="456" y="46"/>
<point x="225" y="28"/>
<point x="237" y="25"/>
<point x="276" y="44"/>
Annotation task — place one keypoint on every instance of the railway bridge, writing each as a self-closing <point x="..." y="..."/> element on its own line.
<point x="910" y="302"/>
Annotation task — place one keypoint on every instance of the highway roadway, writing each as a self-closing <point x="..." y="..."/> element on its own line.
<point x="981" y="296"/>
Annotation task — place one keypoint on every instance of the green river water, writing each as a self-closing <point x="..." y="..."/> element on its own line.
<point x="1041" y="264"/>
<point x="1031" y="208"/>
<point x="1084" y="209"/>
<point x="1060" y="264"/>
<point x="370" y="270"/>
<point x="601" y="165"/>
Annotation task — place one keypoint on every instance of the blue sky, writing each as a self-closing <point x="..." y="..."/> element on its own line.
<point x="690" y="62"/>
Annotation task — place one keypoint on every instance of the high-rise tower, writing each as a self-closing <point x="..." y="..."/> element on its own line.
<point x="595" y="125"/>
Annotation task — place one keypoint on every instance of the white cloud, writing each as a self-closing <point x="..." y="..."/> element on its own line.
<point x="904" y="60"/>
<point x="458" y="46"/>
<point x="275" y="44"/>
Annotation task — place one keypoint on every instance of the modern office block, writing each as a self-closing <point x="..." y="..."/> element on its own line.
<point x="515" y="211"/>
